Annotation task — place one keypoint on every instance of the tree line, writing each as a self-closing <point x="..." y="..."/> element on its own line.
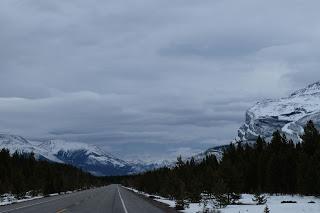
<point x="21" y="173"/>
<point x="280" y="166"/>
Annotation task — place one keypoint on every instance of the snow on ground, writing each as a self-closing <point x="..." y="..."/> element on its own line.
<point x="7" y="199"/>
<point x="273" y="203"/>
<point x="169" y="202"/>
<point x="275" y="206"/>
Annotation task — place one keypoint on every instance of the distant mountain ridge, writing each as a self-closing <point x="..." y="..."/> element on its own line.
<point x="87" y="157"/>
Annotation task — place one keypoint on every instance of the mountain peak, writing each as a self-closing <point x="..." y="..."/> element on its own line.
<point x="55" y="146"/>
<point x="86" y="156"/>
<point x="288" y="115"/>
<point x="309" y="90"/>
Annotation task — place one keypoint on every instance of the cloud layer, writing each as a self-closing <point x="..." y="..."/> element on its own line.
<point x="149" y="74"/>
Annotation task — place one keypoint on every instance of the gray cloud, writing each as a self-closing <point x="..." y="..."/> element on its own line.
<point x="219" y="47"/>
<point x="144" y="73"/>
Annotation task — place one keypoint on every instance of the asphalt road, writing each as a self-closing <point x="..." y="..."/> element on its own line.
<point x="109" y="199"/>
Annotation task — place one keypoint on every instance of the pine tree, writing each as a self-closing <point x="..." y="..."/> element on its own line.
<point x="260" y="199"/>
<point x="220" y="197"/>
<point x="276" y="142"/>
<point x="181" y="196"/>
<point x="233" y="198"/>
<point x="260" y="144"/>
<point x="266" y="210"/>
<point x="180" y="204"/>
<point x="180" y="162"/>
<point x="310" y="138"/>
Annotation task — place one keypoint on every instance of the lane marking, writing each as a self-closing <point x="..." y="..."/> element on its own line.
<point x="62" y="210"/>
<point x="124" y="206"/>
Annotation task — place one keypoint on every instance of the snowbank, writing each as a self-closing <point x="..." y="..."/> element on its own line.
<point x="274" y="204"/>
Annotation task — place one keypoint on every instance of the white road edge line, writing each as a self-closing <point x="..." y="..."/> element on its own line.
<point x="124" y="206"/>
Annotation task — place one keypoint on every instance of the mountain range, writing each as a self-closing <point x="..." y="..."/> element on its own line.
<point x="87" y="157"/>
<point x="288" y="115"/>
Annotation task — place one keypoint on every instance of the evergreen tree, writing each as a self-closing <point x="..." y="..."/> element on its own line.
<point x="260" y="199"/>
<point x="21" y="173"/>
<point x="310" y="138"/>
<point x="276" y="142"/>
<point x="276" y="167"/>
<point x="220" y="195"/>
<point x="266" y="210"/>
<point x="180" y="162"/>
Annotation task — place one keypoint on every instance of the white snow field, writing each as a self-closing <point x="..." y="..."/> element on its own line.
<point x="274" y="204"/>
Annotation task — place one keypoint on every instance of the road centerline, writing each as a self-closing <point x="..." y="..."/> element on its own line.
<point x="123" y="205"/>
<point x="62" y="210"/>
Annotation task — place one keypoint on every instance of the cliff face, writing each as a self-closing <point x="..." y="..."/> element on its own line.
<point x="288" y="115"/>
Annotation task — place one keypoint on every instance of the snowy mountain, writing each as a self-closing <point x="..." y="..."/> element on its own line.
<point x="88" y="157"/>
<point x="288" y="115"/>
<point x="17" y="143"/>
<point x="141" y="166"/>
<point x="217" y="151"/>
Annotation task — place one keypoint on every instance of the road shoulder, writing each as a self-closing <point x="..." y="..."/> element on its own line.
<point x="155" y="203"/>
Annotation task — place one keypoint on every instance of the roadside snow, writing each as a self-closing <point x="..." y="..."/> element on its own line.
<point x="273" y="203"/>
<point x="7" y="199"/>
<point x="169" y="202"/>
<point x="275" y="206"/>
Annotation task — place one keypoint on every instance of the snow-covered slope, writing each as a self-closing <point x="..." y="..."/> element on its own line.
<point x="17" y="143"/>
<point x="288" y="115"/>
<point x="87" y="157"/>
<point x="217" y="151"/>
<point x="140" y="166"/>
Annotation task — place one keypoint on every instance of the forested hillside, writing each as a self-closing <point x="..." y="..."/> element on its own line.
<point x="276" y="167"/>
<point x="21" y="172"/>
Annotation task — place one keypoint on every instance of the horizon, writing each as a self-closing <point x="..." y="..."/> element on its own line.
<point x="183" y="152"/>
<point x="147" y="79"/>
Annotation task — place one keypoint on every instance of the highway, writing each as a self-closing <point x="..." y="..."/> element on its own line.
<point x="109" y="199"/>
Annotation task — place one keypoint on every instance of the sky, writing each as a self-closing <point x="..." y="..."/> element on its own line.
<point x="149" y="79"/>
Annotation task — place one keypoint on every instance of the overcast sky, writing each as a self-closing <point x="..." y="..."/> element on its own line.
<point x="149" y="78"/>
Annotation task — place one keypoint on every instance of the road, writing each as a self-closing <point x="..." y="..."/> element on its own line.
<point x="109" y="199"/>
